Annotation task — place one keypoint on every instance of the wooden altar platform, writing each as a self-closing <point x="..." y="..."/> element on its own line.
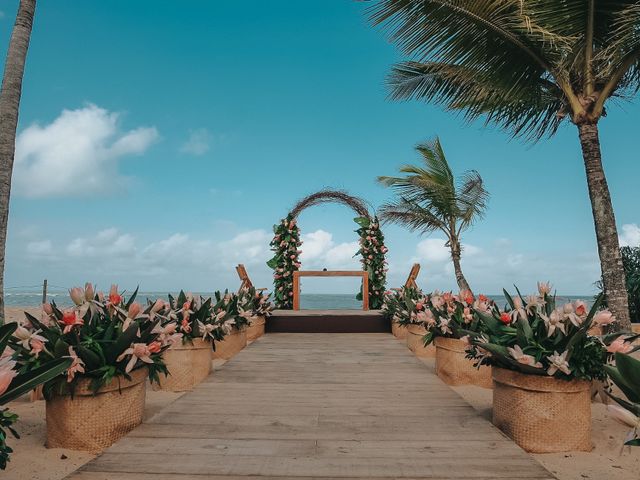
<point x="327" y="321"/>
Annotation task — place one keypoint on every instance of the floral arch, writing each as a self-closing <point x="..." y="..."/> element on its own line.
<point x="286" y="245"/>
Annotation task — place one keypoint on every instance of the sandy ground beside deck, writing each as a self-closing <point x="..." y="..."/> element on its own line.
<point x="608" y="460"/>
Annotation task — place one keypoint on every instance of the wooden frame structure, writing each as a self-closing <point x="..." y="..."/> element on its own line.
<point x="244" y="278"/>
<point x="331" y="273"/>
<point x="411" y="279"/>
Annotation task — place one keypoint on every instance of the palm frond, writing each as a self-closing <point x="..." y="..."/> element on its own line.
<point x="412" y="216"/>
<point x="472" y="198"/>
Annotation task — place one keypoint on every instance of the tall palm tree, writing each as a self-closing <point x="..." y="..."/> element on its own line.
<point x="9" y="107"/>
<point x="430" y="199"/>
<point x="526" y="66"/>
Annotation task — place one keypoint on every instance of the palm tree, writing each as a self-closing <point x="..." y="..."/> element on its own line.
<point x="9" y="107"/>
<point x="429" y="200"/>
<point x="526" y="66"/>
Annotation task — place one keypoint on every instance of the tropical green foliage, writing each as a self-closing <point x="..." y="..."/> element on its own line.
<point x="533" y="335"/>
<point x="372" y="251"/>
<point x="14" y="383"/>
<point x="400" y="304"/>
<point x="286" y="247"/>
<point x="254" y="301"/>
<point x="626" y="375"/>
<point x="431" y="199"/>
<point x="631" y="265"/>
<point x="106" y="337"/>
<point x="524" y="66"/>
<point x="186" y="316"/>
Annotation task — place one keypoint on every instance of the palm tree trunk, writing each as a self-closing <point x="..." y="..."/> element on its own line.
<point x="9" y="107"/>
<point x="605" y="223"/>
<point x="455" y="257"/>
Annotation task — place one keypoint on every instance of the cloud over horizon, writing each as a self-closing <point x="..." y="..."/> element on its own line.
<point x="77" y="154"/>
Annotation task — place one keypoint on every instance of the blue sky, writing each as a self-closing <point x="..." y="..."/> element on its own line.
<point x="160" y="140"/>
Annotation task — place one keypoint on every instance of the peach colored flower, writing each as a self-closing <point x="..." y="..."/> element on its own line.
<point x="7" y="373"/>
<point x="137" y="351"/>
<point x="519" y="356"/>
<point x="37" y="346"/>
<point x="77" y="295"/>
<point x="544" y="288"/>
<point x="619" y="345"/>
<point x="47" y="308"/>
<point x="114" y="297"/>
<point x="603" y="317"/>
<point x="70" y="319"/>
<point x="134" y="310"/>
<point x="89" y="292"/>
<point x="77" y="365"/>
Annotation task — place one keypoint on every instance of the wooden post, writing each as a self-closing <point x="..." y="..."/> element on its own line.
<point x="296" y="290"/>
<point x="365" y="291"/>
<point x="44" y="291"/>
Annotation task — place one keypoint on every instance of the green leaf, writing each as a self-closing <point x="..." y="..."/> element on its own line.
<point x="132" y="298"/>
<point x="629" y="368"/>
<point x="509" y="299"/>
<point x="364" y="222"/>
<point x="6" y="331"/>
<point x="30" y="380"/>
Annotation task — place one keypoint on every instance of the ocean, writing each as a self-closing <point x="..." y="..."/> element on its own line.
<point x="308" y="301"/>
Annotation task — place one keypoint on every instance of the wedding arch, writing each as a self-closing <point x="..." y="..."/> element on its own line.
<point x="286" y="245"/>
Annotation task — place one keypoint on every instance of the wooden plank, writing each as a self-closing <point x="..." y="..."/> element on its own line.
<point x="320" y="406"/>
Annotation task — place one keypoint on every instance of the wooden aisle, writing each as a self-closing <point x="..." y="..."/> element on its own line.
<point x="317" y="406"/>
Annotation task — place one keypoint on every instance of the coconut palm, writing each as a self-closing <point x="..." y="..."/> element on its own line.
<point x="430" y="199"/>
<point x="526" y="67"/>
<point x="9" y="107"/>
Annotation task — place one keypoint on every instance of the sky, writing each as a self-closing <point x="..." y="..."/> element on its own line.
<point x="159" y="141"/>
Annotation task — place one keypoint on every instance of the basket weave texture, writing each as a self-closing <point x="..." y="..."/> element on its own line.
<point x="399" y="331"/>
<point x="454" y="369"/>
<point x="188" y="364"/>
<point x="91" y="422"/>
<point x="256" y="329"/>
<point x="542" y="414"/>
<point x="232" y="344"/>
<point x="415" y="343"/>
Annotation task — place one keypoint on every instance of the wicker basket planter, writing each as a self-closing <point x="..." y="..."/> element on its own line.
<point x="256" y="328"/>
<point x="415" y="343"/>
<point x="188" y="364"/>
<point x="454" y="369"/>
<point x="232" y="344"/>
<point x="91" y="422"/>
<point x="399" y="331"/>
<point x="542" y="414"/>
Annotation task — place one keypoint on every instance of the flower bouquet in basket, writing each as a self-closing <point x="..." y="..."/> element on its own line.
<point x="541" y="352"/>
<point x="187" y="318"/>
<point x="398" y="306"/>
<point x="449" y="320"/>
<point x="258" y="304"/>
<point x="15" y="382"/>
<point x="114" y="344"/>
<point x="230" y="322"/>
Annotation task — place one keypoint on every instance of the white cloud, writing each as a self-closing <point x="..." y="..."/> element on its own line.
<point x="320" y="251"/>
<point x="76" y="154"/>
<point x="198" y="143"/>
<point x="40" y="248"/>
<point x="435" y="250"/>
<point x="105" y="243"/>
<point x="630" y="235"/>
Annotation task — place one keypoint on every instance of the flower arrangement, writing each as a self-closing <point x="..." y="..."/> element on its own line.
<point x="185" y="317"/>
<point x="228" y="313"/>
<point x="254" y="301"/>
<point x="105" y="336"/>
<point x="286" y="247"/>
<point x="626" y="375"/>
<point x="14" y="382"/>
<point x="373" y="250"/>
<point x="399" y="305"/>
<point x="533" y="335"/>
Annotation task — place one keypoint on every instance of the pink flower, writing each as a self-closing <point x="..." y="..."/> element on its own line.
<point x="544" y="288"/>
<point x="77" y="295"/>
<point x="37" y="346"/>
<point x="77" y="365"/>
<point x="134" y="310"/>
<point x="604" y="317"/>
<point x="114" y="297"/>
<point x="89" y="292"/>
<point x="47" y="308"/>
<point x="138" y="351"/>
<point x="619" y="345"/>
<point x="7" y="373"/>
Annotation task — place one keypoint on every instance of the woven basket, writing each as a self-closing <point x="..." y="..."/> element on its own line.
<point x="188" y="364"/>
<point x="454" y="369"/>
<point x="542" y="414"/>
<point x="256" y="329"/>
<point x="91" y="422"/>
<point x="232" y="344"/>
<point x="415" y="342"/>
<point x="399" y="331"/>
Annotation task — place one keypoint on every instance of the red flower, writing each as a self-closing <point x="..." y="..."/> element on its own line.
<point x="154" y="347"/>
<point x="505" y="318"/>
<point x="419" y="306"/>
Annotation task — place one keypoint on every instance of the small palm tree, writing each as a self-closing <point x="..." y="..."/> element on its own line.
<point x="429" y="200"/>
<point x="526" y="66"/>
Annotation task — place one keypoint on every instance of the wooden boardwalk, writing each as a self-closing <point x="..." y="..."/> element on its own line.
<point x="317" y="406"/>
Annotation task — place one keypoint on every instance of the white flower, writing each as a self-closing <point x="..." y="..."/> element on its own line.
<point x="444" y="325"/>
<point x="25" y="337"/>
<point x="206" y="330"/>
<point x="521" y="357"/>
<point x="558" y="362"/>
<point x="544" y="288"/>
<point x="518" y="310"/>
<point x="553" y="321"/>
